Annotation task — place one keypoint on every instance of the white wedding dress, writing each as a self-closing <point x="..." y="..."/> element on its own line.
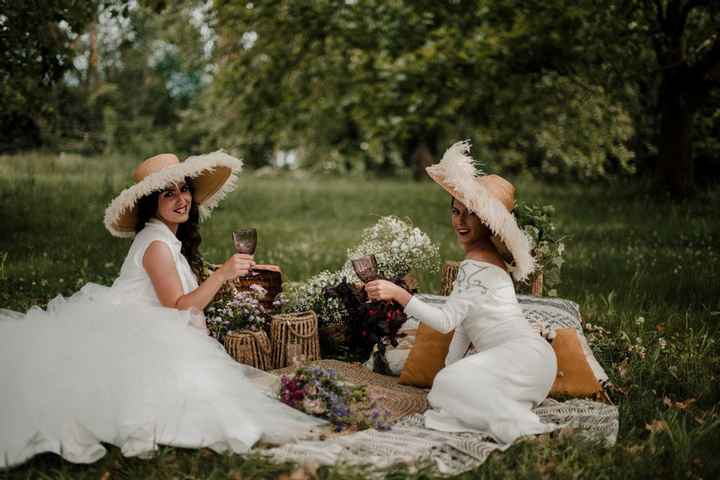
<point x="491" y="391"/>
<point x="111" y="365"/>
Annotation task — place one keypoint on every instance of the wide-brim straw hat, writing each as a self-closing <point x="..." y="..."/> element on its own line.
<point x="213" y="176"/>
<point x="492" y="199"/>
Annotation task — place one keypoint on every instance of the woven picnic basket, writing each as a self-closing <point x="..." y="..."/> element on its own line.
<point x="250" y="347"/>
<point x="269" y="280"/>
<point x="294" y="338"/>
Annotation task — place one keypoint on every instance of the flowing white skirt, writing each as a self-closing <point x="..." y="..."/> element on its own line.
<point x="89" y="370"/>
<point x="493" y="391"/>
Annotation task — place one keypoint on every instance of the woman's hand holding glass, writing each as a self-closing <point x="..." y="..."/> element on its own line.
<point x="385" y="290"/>
<point x="238" y="265"/>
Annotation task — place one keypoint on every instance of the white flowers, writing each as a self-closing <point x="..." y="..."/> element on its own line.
<point x="398" y="247"/>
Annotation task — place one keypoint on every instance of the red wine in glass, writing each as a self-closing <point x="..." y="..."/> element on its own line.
<point x="245" y="241"/>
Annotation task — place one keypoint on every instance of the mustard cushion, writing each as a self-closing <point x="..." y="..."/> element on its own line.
<point x="426" y="358"/>
<point x="575" y="378"/>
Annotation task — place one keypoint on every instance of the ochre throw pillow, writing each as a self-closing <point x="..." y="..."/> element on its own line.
<point x="574" y="378"/>
<point x="426" y="358"/>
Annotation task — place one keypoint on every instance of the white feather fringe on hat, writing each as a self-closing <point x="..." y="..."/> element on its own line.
<point x="491" y="198"/>
<point x="214" y="175"/>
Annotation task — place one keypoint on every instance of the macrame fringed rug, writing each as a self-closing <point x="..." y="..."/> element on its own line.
<point x="410" y="443"/>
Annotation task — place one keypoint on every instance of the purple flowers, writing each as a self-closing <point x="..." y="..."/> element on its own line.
<point x="239" y="310"/>
<point x="318" y="391"/>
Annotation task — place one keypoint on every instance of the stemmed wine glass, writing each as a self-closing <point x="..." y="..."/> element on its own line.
<point x="366" y="268"/>
<point x="245" y="241"/>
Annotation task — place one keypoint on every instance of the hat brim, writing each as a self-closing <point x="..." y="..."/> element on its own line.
<point x="213" y="176"/>
<point x="455" y="174"/>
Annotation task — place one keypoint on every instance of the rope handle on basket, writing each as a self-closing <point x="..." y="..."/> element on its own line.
<point x="300" y="335"/>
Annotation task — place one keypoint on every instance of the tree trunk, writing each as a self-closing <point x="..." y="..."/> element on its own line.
<point x="675" y="162"/>
<point x="421" y="156"/>
<point x="93" y="75"/>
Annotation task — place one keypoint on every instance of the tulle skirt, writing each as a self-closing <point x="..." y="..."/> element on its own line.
<point x="93" y="368"/>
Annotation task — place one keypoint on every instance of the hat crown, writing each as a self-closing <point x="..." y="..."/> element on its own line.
<point x="499" y="188"/>
<point x="154" y="165"/>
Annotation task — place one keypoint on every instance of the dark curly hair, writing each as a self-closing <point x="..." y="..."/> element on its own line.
<point x="188" y="233"/>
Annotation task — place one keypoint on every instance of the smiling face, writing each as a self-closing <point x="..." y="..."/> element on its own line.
<point x="468" y="227"/>
<point x="174" y="204"/>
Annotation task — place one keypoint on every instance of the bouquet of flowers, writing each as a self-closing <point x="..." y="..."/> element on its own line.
<point x="320" y="392"/>
<point x="398" y="247"/>
<point x="549" y="248"/>
<point x="371" y="326"/>
<point x="236" y="310"/>
<point x="310" y="295"/>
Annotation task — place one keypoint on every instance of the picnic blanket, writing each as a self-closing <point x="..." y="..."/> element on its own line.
<point x="409" y="442"/>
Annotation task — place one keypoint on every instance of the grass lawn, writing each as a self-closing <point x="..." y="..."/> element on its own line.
<point x="644" y="269"/>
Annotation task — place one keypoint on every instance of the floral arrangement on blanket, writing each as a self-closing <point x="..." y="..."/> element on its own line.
<point x="371" y="326"/>
<point x="237" y="310"/>
<point x="321" y="392"/>
<point x="549" y="248"/>
<point x="398" y="246"/>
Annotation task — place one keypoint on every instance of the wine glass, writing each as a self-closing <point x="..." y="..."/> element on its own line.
<point x="366" y="268"/>
<point x="245" y="241"/>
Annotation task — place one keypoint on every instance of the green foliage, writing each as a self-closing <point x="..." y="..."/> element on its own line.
<point x="368" y="82"/>
<point x="549" y="246"/>
<point x="118" y="80"/>
<point x="35" y="52"/>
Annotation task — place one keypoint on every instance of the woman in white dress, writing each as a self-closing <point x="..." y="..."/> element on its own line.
<point x="493" y="390"/>
<point x="132" y="364"/>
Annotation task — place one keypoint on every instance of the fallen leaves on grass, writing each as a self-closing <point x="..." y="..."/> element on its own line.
<point x="681" y="406"/>
<point x="657" y="426"/>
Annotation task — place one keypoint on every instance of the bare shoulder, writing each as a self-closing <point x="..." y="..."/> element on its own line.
<point x="157" y="254"/>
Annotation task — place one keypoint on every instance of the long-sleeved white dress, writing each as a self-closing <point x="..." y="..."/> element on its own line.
<point x="493" y="390"/>
<point x="112" y="365"/>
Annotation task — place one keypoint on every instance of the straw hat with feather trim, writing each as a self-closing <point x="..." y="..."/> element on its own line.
<point x="213" y="176"/>
<point x="491" y="198"/>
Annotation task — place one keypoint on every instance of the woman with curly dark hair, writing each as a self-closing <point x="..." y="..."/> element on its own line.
<point x="132" y="364"/>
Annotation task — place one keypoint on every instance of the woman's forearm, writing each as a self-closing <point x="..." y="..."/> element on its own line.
<point x="433" y="317"/>
<point x="203" y="295"/>
<point x="402" y="296"/>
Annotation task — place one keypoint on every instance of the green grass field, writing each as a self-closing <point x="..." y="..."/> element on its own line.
<point x="643" y="268"/>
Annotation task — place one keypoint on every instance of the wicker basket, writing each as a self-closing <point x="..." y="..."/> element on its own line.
<point x="249" y="347"/>
<point x="294" y="338"/>
<point x="536" y="288"/>
<point x="269" y="280"/>
<point x="450" y="270"/>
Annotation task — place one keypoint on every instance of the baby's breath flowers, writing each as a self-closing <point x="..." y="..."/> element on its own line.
<point x="399" y="248"/>
<point x="310" y="295"/>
